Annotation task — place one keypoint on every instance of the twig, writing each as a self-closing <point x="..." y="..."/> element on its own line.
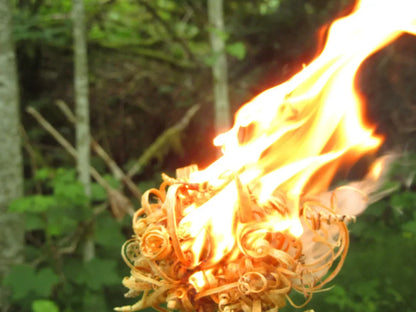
<point x="66" y="110"/>
<point x="153" y="149"/>
<point x="33" y="156"/>
<point x="118" y="201"/>
<point x="48" y="127"/>
<point x="112" y="165"/>
<point x="65" y="144"/>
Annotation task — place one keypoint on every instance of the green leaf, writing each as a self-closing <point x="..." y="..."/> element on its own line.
<point x="186" y="30"/>
<point x="112" y="181"/>
<point x="34" y="222"/>
<point x="59" y="222"/>
<point x="35" y="203"/>
<point x="108" y="231"/>
<point x="94" y="274"/>
<point x="21" y="279"/>
<point x="269" y="7"/>
<point x="32" y="252"/>
<point x="404" y="200"/>
<point x="70" y="192"/>
<point x="101" y="272"/>
<point x="377" y="209"/>
<point x="210" y="59"/>
<point x="368" y="288"/>
<point x="64" y="175"/>
<point x="94" y="301"/>
<point x="410" y="227"/>
<point x="236" y="49"/>
<point x="337" y="296"/>
<point x="66" y="218"/>
<point x="45" y="280"/>
<point x="309" y="8"/>
<point x="43" y="174"/>
<point x="44" y="306"/>
<point x="222" y="34"/>
<point x="98" y="193"/>
<point x="390" y="185"/>
<point x="73" y="270"/>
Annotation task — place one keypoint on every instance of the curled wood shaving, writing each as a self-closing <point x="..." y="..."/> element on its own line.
<point x="262" y="271"/>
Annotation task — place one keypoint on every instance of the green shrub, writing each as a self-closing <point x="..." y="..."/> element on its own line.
<point x="54" y="276"/>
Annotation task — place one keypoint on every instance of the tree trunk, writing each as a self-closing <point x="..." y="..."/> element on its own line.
<point x="83" y="139"/>
<point x="11" y="173"/>
<point x="219" y="68"/>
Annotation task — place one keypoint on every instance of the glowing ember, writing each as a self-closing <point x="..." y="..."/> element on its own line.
<point x="260" y="221"/>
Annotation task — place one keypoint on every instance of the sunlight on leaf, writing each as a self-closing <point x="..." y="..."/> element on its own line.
<point x="44" y="306"/>
<point x="237" y="50"/>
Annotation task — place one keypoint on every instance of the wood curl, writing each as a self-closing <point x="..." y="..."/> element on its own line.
<point x="258" y="275"/>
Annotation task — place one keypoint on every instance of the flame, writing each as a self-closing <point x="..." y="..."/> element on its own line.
<point x="261" y="220"/>
<point x="292" y="138"/>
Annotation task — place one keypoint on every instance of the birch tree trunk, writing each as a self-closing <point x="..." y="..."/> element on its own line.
<point x="219" y="68"/>
<point x="83" y="139"/>
<point x="11" y="173"/>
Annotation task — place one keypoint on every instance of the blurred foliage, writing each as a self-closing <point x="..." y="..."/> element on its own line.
<point x="57" y="220"/>
<point x="45" y="22"/>
<point x="149" y="62"/>
<point x="379" y="270"/>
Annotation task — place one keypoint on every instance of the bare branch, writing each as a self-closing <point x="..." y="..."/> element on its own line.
<point x="112" y="165"/>
<point x="66" y="110"/>
<point x="119" y="203"/>
<point x="48" y="127"/>
<point x="33" y="155"/>
<point x="163" y="139"/>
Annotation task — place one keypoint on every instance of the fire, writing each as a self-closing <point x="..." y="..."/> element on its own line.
<point x="309" y="125"/>
<point x="260" y="220"/>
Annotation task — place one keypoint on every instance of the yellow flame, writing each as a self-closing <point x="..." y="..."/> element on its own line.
<point x="293" y="137"/>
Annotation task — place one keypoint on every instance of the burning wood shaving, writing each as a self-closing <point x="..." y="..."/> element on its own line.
<point x="259" y="275"/>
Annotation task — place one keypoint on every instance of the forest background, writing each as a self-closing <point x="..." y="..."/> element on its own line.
<point x="151" y="109"/>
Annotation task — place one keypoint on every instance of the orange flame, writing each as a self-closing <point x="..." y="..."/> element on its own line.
<point x="260" y="221"/>
<point x="293" y="137"/>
